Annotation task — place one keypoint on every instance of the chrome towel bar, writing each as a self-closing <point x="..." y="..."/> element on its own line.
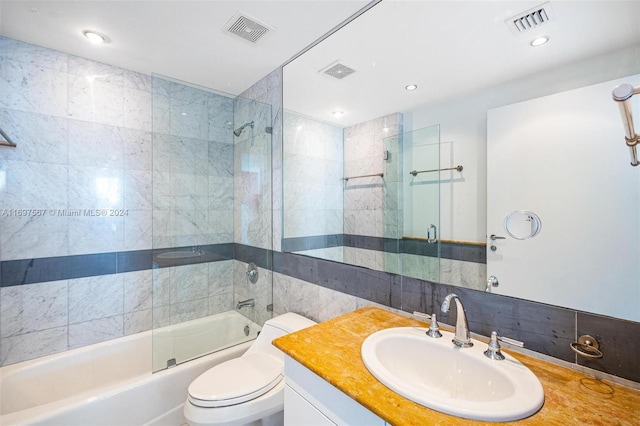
<point x="456" y="168"/>
<point x="362" y="176"/>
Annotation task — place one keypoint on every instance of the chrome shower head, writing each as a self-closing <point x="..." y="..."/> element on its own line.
<point x="239" y="130"/>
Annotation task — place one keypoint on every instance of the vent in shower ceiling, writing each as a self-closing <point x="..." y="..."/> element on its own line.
<point x="247" y="27"/>
<point x="531" y="19"/>
<point x="338" y="70"/>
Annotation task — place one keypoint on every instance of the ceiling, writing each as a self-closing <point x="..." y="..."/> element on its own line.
<point x="179" y="39"/>
<point x="449" y="49"/>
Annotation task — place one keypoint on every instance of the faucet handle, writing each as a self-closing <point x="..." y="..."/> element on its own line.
<point x="434" y="328"/>
<point x="493" y="350"/>
<point x="510" y="341"/>
<point x="421" y="315"/>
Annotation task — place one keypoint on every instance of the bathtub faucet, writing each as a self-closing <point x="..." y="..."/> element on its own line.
<point x="243" y="303"/>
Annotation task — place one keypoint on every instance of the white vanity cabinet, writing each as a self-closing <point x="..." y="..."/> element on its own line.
<point x="309" y="400"/>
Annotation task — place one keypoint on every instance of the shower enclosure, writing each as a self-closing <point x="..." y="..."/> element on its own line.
<point x="349" y="195"/>
<point x="421" y="177"/>
<point x="210" y="184"/>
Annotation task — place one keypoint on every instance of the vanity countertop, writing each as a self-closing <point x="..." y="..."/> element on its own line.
<point x="331" y="349"/>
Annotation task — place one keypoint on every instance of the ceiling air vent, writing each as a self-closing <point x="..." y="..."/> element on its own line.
<point x="338" y="70"/>
<point x="246" y="27"/>
<point x="531" y="19"/>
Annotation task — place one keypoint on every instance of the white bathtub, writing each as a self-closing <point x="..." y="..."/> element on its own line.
<point x="111" y="383"/>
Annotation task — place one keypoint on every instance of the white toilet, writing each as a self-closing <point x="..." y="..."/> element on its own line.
<point x="248" y="390"/>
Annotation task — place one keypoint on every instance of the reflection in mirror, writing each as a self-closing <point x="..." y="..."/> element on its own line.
<point x="341" y="189"/>
<point x="522" y="224"/>
<point x="463" y="78"/>
<point x="421" y="203"/>
<point x="583" y="188"/>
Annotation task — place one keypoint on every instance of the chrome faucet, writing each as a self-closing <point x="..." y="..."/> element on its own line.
<point x="462" y="337"/>
<point x="243" y="303"/>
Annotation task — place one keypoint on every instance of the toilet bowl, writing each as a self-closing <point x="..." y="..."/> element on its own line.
<point x="248" y="390"/>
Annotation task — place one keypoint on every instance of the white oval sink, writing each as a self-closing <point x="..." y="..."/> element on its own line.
<point x="459" y="381"/>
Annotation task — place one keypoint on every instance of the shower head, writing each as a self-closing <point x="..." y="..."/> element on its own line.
<point x="239" y="130"/>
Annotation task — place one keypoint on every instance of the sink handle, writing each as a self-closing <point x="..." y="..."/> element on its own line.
<point x="434" y="328"/>
<point x="422" y="315"/>
<point x="510" y="341"/>
<point x="493" y="351"/>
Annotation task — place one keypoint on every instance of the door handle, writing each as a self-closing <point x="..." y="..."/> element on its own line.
<point x="494" y="237"/>
<point x="432" y="229"/>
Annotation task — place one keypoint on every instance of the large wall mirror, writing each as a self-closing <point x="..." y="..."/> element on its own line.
<point x="522" y="172"/>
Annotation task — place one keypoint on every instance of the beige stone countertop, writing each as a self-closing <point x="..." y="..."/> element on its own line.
<point x="331" y="349"/>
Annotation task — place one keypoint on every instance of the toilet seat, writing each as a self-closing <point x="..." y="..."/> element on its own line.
<point x="236" y="381"/>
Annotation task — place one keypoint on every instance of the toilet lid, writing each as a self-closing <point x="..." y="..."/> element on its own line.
<point x="236" y="381"/>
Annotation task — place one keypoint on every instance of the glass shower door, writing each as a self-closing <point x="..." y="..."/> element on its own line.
<point x="253" y="213"/>
<point x="420" y="256"/>
<point x="193" y="186"/>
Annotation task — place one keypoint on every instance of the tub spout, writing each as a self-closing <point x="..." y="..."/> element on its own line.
<point x="243" y="303"/>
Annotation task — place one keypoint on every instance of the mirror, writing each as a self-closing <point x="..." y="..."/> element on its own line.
<point x="469" y="60"/>
<point x="522" y="224"/>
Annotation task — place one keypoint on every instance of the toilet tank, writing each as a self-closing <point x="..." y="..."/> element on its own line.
<point x="277" y="327"/>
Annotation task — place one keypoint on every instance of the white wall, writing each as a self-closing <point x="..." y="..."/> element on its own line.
<point x="563" y="157"/>
<point x="463" y="133"/>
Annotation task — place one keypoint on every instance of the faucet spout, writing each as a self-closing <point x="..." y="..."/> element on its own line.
<point x="243" y="303"/>
<point x="462" y="337"/>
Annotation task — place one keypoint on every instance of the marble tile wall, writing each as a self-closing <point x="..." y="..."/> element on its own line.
<point x="253" y="197"/>
<point x="93" y="137"/>
<point x="313" y="171"/>
<point x="184" y="293"/>
<point x="371" y="205"/>
<point x="365" y="198"/>
<point x="261" y="291"/>
<point x="50" y="317"/>
<point x="193" y="165"/>
<point x="313" y="301"/>
<point x="84" y="133"/>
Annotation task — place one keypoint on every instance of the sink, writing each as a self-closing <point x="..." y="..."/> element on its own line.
<point x="458" y="381"/>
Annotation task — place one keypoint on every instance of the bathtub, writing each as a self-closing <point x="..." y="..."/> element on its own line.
<point x="111" y="383"/>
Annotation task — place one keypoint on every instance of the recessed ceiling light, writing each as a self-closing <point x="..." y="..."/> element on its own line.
<point x="411" y="87"/>
<point x="337" y="114"/>
<point x="94" y="37"/>
<point x="540" y="41"/>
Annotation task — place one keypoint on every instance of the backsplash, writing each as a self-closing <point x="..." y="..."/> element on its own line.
<point x="321" y="289"/>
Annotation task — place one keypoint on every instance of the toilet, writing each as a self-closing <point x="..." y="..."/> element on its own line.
<point x="248" y="390"/>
